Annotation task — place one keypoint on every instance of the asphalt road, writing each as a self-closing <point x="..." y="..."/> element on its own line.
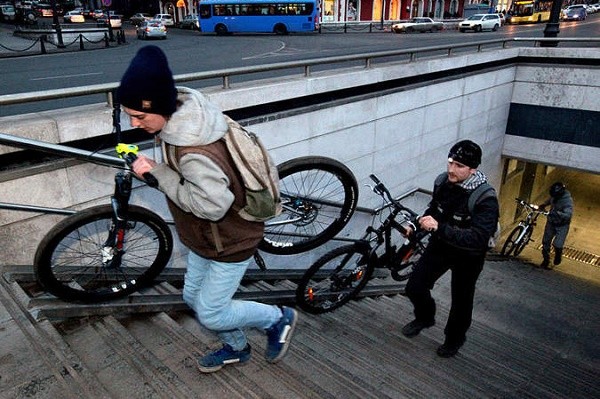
<point x="190" y="51"/>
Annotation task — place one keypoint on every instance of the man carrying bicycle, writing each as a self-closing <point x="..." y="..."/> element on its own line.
<point x="204" y="190"/>
<point x="459" y="242"/>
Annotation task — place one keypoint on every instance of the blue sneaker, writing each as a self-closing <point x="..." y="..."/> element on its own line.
<point x="221" y="357"/>
<point x="280" y="335"/>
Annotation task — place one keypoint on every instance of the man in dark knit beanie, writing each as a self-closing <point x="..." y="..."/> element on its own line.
<point x="459" y="241"/>
<point x="148" y="84"/>
<point x="203" y="190"/>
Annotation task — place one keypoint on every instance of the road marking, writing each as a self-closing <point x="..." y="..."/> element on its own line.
<point x="69" y="76"/>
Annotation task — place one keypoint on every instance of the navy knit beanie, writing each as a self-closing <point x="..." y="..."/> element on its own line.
<point x="148" y="85"/>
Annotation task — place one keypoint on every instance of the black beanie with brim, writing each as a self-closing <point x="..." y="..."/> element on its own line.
<point x="148" y="85"/>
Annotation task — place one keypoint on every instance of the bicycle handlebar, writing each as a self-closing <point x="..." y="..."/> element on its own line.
<point x="129" y="153"/>
<point x="382" y="190"/>
<point x="533" y="207"/>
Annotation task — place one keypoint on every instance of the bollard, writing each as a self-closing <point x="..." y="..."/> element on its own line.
<point x="81" y="42"/>
<point x="106" y="44"/>
<point x="122" y="35"/>
<point x="42" y="45"/>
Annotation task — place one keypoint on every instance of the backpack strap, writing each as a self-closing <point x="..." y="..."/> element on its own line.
<point x="483" y="191"/>
<point x="439" y="180"/>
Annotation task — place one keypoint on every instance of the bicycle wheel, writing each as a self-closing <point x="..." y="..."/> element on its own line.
<point x="75" y="262"/>
<point x="406" y="259"/>
<point x="319" y="196"/>
<point x="523" y="242"/>
<point x="511" y="242"/>
<point x="334" y="279"/>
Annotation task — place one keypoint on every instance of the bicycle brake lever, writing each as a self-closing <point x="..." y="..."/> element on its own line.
<point x="129" y="153"/>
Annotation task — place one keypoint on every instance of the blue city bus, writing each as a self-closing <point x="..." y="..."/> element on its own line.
<point x="280" y="17"/>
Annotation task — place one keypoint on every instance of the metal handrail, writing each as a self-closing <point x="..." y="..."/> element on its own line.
<point x="225" y="74"/>
<point x="61" y="150"/>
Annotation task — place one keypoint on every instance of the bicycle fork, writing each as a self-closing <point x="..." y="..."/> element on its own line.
<point x="114" y="246"/>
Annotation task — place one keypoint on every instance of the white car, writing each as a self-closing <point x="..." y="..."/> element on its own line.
<point x="73" y="17"/>
<point x="419" y="24"/>
<point x="151" y="29"/>
<point x="479" y="22"/>
<point x="166" y="19"/>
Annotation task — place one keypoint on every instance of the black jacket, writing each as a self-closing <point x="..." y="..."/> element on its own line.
<point x="456" y="226"/>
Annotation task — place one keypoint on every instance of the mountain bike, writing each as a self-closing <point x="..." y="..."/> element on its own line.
<point x="339" y="275"/>
<point x="520" y="236"/>
<point x="110" y="251"/>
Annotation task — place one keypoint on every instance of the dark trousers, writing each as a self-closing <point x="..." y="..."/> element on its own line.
<point x="554" y="235"/>
<point x="434" y="263"/>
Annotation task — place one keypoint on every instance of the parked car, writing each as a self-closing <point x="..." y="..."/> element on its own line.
<point x="115" y="21"/>
<point x="151" y="29"/>
<point x="479" y="22"/>
<point x="140" y="17"/>
<point x="420" y="24"/>
<point x="73" y="17"/>
<point x="7" y="12"/>
<point x="502" y="19"/>
<point x="166" y="19"/>
<point x="189" y="22"/>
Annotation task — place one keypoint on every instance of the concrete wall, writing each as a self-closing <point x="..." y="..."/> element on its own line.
<point x="559" y="87"/>
<point x="403" y="136"/>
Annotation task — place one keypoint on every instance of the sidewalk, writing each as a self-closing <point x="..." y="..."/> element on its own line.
<point x="12" y="46"/>
<point x="16" y="46"/>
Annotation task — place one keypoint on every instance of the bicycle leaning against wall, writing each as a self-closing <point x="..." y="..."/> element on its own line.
<point x="339" y="275"/>
<point x="520" y="236"/>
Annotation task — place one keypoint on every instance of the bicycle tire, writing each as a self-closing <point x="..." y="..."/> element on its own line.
<point x="510" y="244"/>
<point x="334" y="279"/>
<point x="69" y="259"/>
<point x="407" y="259"/>
<point x="320" y="195"/>
<point x="523" y="243"/>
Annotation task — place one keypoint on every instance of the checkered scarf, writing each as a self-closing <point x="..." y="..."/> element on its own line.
<point x="473" y="181"/>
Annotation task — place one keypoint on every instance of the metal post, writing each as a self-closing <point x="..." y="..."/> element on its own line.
<point x="552" y="28"/>
<point x="81" y="41"/>
<point x="42" y="45"/>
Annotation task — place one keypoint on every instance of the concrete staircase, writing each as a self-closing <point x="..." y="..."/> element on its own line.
<point x="533" y="336"/>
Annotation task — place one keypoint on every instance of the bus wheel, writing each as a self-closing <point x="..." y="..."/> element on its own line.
<point x="280" y="29"/>
<point x="221" y="29"/>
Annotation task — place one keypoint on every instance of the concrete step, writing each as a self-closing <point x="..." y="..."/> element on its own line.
<point x="532" y="336"/>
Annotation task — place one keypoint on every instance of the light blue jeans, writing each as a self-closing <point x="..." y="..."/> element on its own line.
<point x="209" y="287"/>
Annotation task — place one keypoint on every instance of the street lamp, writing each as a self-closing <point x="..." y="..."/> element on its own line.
<point x="552" y="27"/>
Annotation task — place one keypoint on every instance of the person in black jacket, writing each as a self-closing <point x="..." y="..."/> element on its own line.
<point x="557" y="223"/>
<point x="459" y="242"/>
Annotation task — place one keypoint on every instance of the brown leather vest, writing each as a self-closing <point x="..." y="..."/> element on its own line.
<point x="231" y="239"/>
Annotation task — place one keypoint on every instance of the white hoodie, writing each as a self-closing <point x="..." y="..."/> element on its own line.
<point x="205" y="192"/>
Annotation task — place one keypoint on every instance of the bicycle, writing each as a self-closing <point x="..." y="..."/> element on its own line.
<point x="110" y="251"/>
<point x="339" y="275"/>
<point x="520" y="236"/>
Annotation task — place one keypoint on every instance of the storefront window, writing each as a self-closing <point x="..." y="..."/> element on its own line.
<point x="352" y="13"/>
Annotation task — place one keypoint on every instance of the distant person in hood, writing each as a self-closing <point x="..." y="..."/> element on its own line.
<point x="557" y="223"/>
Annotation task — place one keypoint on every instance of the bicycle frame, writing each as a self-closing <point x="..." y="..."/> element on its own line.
<point x="382" y="235"/>
<point x="530" y="219"/>
<point x="521" y="234"/>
